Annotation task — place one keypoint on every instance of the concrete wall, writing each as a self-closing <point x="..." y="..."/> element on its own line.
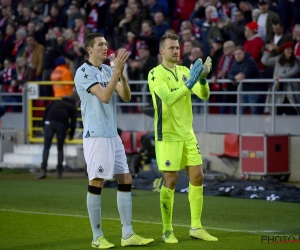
<point x="214" y="143"/>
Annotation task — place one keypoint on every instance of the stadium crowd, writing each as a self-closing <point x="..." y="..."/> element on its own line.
<point x="43" y="40"/>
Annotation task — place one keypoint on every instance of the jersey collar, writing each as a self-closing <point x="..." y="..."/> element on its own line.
<point x="89" y="63"/>
<point x="175" y="75"/>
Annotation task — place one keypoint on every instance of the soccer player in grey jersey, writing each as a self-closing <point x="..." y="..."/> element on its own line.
<point x="103" y="149"/>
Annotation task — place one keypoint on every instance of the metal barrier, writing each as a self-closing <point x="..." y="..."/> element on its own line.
<point x="35" y="119"/>
<point x="35" y="126"/>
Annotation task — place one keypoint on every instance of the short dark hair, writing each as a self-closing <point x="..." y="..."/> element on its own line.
<point x="277" y="22"/>
<point x="167" y="36"/>
<point x="89" y="40"/>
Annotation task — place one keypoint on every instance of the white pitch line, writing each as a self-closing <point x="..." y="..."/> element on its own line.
<point x="146" y="222"/>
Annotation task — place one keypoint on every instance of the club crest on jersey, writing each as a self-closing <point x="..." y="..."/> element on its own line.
<point x="184" y="78"/>
<point x="168" y="163"/>
<point x="100" y="170"/>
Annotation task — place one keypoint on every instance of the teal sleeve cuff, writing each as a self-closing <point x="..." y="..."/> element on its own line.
<point x="203" y="81"/>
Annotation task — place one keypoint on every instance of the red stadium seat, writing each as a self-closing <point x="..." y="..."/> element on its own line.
<point x="138" y="140"/>
<point x="126" y="137"/>
<point x="231" y="153"/>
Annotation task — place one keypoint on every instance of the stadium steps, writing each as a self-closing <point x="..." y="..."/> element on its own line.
<point x="30" y="156"/>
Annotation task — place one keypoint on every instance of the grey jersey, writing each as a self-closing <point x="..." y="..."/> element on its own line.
<point x="99" y="119"/>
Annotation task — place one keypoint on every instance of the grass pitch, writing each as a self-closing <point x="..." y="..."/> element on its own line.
<point x="52" y="214"/>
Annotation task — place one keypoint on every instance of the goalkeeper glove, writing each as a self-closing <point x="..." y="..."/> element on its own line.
<point x="206" y="68"/>
<point x="195" y="72"/>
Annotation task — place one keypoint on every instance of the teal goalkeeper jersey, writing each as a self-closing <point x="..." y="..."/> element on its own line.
<point x="173" y="116"/>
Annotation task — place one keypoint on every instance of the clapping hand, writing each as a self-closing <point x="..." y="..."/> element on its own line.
<point x="195" y="71"/>
<point x="206" y="68"/>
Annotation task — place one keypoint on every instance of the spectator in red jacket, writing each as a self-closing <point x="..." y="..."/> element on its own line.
<point x="254" y="43"/>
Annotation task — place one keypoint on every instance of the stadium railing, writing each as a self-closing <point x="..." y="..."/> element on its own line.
<point x="204" y="122"/>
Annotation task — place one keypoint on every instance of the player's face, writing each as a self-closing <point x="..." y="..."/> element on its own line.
<point x="99" y="50"/>
<point x="170" y="52"/>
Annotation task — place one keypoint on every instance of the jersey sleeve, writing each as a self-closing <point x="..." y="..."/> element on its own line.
<point x="157" y="85"/>
<point x="85" y="78"/>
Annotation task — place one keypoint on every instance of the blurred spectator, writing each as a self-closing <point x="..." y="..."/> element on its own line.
<point x="63" y="74"/>
<point x="285" y="66"/>
<point x="254" y="43"/>
<point x="34" y="54"/>
<point x="74" y="55"/>
<point x="63" y="5"/>
<point x="24" y="73"/>
<point x="81" y="31"/>
<point x="8" y="41"/>
<point x="9" y="74"/>
<point x="115" y="14"/>
<point x="187" y="35"/>
<point x="222" y="71"/>
<point x="186" y="52"/>
<point x="244" y="67"/>
<point x="186" y="25"/>
<point x="280" y="37"/>
<point x="96" y="21"/>
<point x="20" y="43"/>
<point x="139" y="69"/>
<point x="247" y="8"/>
<point x="255" y="13"/>
<point x="25" y="17"/>
<point x="160" y="25"/>
<point x="202" y="28"/>
<point x="130" y="46"/>
<point x="148" y="36"/>
<point x="228" y="9"/>
<point x="296" y="36"/>
<point x="137" y="18"/>
<point x="216" y="55"/>
<point x="236" y="29"/>
<point x="265" y="19"/>
<point x="4" y="19"/>
<point x="51" y="53"/>
<point x="57" y="18"/>
<point x="9" y="85"/>
<point x="157" y="6"/>
<point x="218" y="28"/>
<point x="199" y="9"/>
<point x="73" y="13"/>
<point x="37" y="31"/>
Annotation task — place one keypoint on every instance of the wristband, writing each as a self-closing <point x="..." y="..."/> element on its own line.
<point x="203" y="81"/>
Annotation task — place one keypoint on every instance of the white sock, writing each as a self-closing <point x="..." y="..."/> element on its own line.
<point x="93" y="203"/>
<point x="124" y="201"/>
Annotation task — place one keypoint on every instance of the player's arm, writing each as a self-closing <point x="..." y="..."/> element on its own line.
<point x="123" y="88"/>
<point x="202" y="89"/>
<point x="105" y="94"/>
<point x="159" y="87"/>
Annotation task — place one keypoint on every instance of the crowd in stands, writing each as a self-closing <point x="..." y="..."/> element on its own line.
<point x="42" y="40"/>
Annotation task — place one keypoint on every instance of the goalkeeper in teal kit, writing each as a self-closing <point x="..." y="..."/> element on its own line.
<point x="176" y="145"/>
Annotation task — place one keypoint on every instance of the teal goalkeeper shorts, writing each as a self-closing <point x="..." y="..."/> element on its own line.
<point x="176" y="155"/>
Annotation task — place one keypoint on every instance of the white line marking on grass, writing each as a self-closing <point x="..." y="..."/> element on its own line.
<point x="146" y="222"/>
